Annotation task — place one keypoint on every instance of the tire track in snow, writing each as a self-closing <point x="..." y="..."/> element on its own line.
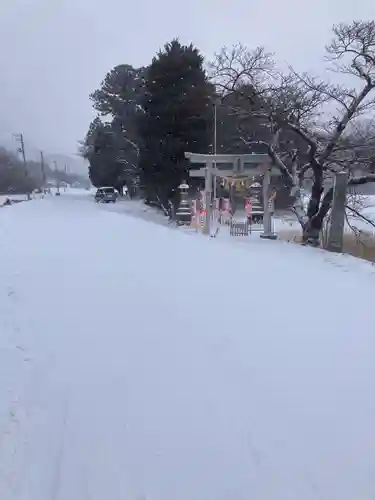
<point x="59" y="461"/>
<point x="21" y="379"/>
<point x="25" y="381"/>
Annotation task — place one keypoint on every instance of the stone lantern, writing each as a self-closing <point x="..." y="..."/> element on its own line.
<point x="255" y="191"/>
<point x="183" y="213"/>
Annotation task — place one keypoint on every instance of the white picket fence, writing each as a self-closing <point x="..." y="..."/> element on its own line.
<point x="239" y="228"/>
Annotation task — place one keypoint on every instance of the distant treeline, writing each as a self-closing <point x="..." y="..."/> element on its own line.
<point x="15" y="178"/>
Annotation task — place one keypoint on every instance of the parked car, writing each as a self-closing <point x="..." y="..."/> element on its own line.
<point x="106" y="195"/>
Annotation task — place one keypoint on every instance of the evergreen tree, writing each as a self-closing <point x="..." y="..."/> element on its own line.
<point x="120" y="96"/>
<point x="177" y="118"/>
<point x="101" y="150"/>
<point x="119" y="100"/>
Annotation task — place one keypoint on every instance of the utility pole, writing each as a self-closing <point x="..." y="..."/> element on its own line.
<point x="19" y="138"/>
<point x="66" y="176"/>
<point x="44" y="180"/>
<point x="56" y="177"/>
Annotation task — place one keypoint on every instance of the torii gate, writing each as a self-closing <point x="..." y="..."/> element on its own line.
<point x="240" y="166"/>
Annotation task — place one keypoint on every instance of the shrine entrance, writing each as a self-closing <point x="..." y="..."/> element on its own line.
<point x="236" y="170"/>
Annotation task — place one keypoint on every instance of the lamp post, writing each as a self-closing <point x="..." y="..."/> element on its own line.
<point x="215" y="143"/>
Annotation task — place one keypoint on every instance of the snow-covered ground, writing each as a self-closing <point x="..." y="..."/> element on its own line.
<point x="139" y="362"/>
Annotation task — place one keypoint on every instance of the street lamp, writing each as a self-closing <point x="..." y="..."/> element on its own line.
<point x="215" y="100"/>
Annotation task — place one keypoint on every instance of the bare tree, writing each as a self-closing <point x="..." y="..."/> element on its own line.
<point x="321" y="114"/>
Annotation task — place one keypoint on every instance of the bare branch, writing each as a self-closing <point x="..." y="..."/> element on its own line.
<point x="356" y="42"/>
<point x="364" y="179"/>
<point x="354" y="229"/>
<point x="344" y="121"/>
<point x="361" y="216"/>
<point x="238" y="66"/>
<point x="354" y="46"/>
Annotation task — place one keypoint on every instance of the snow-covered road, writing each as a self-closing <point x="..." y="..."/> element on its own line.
<point x="137" y="362"/>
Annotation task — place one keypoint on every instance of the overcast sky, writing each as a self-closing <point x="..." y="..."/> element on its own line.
<point x="53" y="53"/>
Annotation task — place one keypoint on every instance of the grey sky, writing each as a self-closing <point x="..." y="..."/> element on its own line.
<point x="53" y="53"/>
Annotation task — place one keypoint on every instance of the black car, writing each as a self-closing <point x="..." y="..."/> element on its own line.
<point x="106" y="195"/>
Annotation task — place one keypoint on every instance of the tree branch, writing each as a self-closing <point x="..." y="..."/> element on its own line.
<point x="361" y="216"/>
<point x="364" y="179"/>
